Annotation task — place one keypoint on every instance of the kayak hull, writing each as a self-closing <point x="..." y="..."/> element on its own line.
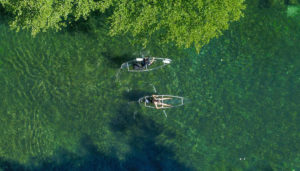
<point x="174" y="101"/>
<point x="130" y="66"/>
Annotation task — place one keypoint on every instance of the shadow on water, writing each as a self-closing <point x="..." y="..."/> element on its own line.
<point x="145" y="154"/>
<point x="4" y="15"/>
<point x="88" y="25"/>
<point x="88" y="159"/>
<point x="116" y="61"/>
<point x="116" y="51"/>
<point x="135" y="95"/>
<point x="264" y="4"/>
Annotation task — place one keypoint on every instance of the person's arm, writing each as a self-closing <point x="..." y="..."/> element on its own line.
<point x="152" y="60"/>
<point x="166" y="98"/>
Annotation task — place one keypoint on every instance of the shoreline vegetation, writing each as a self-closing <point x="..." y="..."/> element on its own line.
<point x="186" y="23"/>
<point x="62" y="109"/>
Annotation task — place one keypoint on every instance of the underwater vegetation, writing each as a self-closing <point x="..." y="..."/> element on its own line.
<point x="62" y="108"/>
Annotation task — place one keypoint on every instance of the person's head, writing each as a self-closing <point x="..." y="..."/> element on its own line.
<point x="150" y="99"/>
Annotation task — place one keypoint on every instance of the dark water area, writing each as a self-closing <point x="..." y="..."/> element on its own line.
<point x="64" y="104"/>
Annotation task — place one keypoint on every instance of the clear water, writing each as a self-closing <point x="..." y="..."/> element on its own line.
<point x="64" y="104"/>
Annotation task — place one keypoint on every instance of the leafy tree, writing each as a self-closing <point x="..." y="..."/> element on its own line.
<point x="185" y="22"/>
<point x="41" y="15"/>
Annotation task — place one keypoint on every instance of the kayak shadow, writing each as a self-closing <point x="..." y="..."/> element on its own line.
<point x="116" y="61"/>
<point x="135" y="95"/>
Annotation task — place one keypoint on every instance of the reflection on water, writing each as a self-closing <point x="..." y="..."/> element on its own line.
<point x="62" y="107"/>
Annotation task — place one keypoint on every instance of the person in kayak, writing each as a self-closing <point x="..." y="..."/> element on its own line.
<point x="147" y="61"/>
<point x="158" y="102"/>
<point x="142" y="65"/>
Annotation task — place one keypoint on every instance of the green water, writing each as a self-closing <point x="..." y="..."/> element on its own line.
<point x="63" y="104"/>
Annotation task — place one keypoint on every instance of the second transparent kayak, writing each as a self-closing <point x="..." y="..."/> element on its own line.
<point x="173" y="101"/>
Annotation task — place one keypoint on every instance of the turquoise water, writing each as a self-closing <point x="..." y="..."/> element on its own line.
<point x="65" y="105"/>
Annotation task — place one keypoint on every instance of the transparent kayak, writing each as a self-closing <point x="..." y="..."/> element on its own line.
<point x="173" y="101"/>
<point x="139" y="65"/>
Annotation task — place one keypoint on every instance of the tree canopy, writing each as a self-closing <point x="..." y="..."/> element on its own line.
<point x="41" y="15"/>
<point x="186" y="22"/>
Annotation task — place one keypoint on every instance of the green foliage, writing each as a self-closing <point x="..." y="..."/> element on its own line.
<point x="40" y="15"/>
<point x="187" y="23"/>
